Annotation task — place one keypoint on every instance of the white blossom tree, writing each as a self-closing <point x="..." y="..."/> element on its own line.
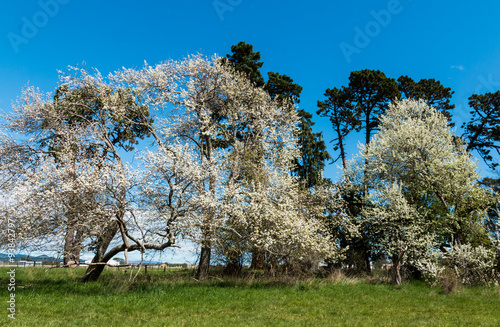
<point x="423" y="185"/>
<point x="402" y="230"/>
<point x="71" y="181"/>
<point x="230" y="146"/>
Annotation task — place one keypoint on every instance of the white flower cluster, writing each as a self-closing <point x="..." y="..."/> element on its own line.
<point x="471" y="265"/>
<point x="223" y="158"/>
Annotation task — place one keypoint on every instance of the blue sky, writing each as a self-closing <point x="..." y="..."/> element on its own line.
<point x="456" y="42"/>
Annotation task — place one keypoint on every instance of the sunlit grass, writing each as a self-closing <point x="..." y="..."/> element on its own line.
<point x="175" y="298"/>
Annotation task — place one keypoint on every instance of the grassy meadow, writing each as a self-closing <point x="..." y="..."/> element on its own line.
<point x="174" y="298"/>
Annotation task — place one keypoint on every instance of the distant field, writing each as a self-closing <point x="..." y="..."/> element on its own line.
<point x="173" y="298"/>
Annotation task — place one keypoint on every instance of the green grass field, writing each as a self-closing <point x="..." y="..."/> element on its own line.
<point x="56" y="298"/>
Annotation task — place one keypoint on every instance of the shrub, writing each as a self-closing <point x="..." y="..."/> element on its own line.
<point x="472" y="265"/>
<point x="463" y="264"/>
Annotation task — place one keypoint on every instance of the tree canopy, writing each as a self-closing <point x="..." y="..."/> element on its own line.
<point x="231" y="162"/>
<point x="482" y="132"/>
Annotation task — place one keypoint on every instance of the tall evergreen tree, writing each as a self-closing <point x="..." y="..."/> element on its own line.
<point x="482" y="132"/>
<point x="358" y="107"/>
<point x="313" y="154"/>
<point x="337" y="108"/>
<point x="370" y="91"/>
<point x="430" y="90"/>
<point x="245" y="60"/>
<point x="283" y="88"/>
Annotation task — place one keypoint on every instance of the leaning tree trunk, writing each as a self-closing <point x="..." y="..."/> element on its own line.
<point x="94" y="271"/>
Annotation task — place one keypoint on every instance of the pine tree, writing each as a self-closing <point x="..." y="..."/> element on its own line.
<point x="245" y="60"/>
<point x="482" y="132"/>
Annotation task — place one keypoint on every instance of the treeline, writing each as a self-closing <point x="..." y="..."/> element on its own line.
<point x="233" y="164"/>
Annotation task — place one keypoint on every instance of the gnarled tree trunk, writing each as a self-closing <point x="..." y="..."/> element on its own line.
<point x="94" y="271"/>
